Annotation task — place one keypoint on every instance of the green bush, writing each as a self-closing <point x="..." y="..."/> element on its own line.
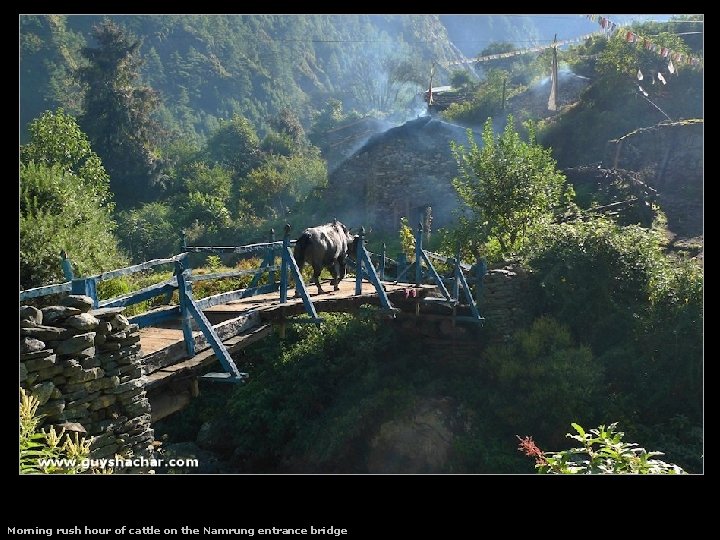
<point x="541" y="380"/>
<point x="314" y="399"/>
<point x="638" y="309"/>
<point x="61" y="211"/>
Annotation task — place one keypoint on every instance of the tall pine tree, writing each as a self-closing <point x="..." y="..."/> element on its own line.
<point x="117" y="116"/>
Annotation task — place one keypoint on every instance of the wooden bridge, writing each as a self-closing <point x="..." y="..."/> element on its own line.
<point x="180" y="342"/>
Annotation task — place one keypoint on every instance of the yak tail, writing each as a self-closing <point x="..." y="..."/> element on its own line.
<point x="300" y="247"/>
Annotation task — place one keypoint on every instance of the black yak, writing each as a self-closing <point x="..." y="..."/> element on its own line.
<point x="325" y="246"/>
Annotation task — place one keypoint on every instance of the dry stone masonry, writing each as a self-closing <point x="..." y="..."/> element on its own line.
<point x="84" y="367"/>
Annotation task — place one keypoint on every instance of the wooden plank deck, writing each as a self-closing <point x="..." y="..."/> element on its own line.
<point x="241" y="322"/>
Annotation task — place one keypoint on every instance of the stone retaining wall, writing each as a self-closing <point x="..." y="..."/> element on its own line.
<point x="84" y="366"/>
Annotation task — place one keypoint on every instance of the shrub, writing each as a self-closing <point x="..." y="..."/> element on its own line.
<point x="540" y="379"/>
<point x="602" y="451"/>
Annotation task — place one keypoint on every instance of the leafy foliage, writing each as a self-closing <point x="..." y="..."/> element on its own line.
<point x="149" y="231"/>
<point x="235" y="145"/>
<point x="541" y="380"/>
<point x="50" y="52"/>
<point x="602" y="451"/>
<point x="487" y="100"/>
<point x="639" y="310"/>
<point x="407" y="239"/>
<point x="36" y="444"/>
<point x="316" y="398"/>
<point x="509" y="185"/>
<point x="60" y="212"/>
<point x="56" y="138"/>
<point x="65" y="203"/>
<point x="283" y="184"/>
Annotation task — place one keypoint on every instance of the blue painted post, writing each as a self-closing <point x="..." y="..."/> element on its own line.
<point x="66" y="266"/>
<point x="402" y="265"/>
<point x="382" y="263"/>
<point x="359" y="258"/>
<point x="284" y="266"/>
<point x="86" y="286"/>
<point x="271" y="257"/>
<point x="184" y="286"/>
<point x="418" y="254"/>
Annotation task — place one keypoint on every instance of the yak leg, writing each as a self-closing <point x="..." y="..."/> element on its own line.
<point x="335" y="271"/>
<point x="316" y="279"/>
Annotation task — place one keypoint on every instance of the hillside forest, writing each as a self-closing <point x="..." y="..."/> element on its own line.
<point x="136" y="131"/>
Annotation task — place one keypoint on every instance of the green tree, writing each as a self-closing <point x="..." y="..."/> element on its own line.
<point x="509" y="185"/>
<point x="640" y="310"/>
<point x="65" y="203"/>
<point x="49" y="56"/>
<point x="460" y="79"/>
<point x="287" y="123"/>
<point x="60" y="211"/>
<point x="235" y="145"/>
<point x="118" y="114"/>
<point x="149" y="231"/>
<point x="56" y="139"/>
<point x="282" y="183"/>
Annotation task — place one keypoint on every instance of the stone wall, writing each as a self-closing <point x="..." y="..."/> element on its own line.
<point x="504" y="301"/>
<point x="84" y="366"/>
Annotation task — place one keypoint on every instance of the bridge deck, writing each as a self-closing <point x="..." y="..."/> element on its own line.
<point x="242" y="322"/>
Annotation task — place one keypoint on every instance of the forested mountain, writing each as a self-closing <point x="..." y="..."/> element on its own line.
<point x="207" y="67"/>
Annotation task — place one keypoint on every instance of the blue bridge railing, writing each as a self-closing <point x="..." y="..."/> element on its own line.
<point x="191" y="309"/>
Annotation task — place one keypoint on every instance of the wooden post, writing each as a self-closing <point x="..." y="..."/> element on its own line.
<point x="418" y="254"/>
<point x="359" y="259"/>
<point x="183" y="241"/>
<point x="66" y="266"/>
<point x="184" y="286"/>
<point x="284" y="266"/>
<point x="87" y="287"/>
